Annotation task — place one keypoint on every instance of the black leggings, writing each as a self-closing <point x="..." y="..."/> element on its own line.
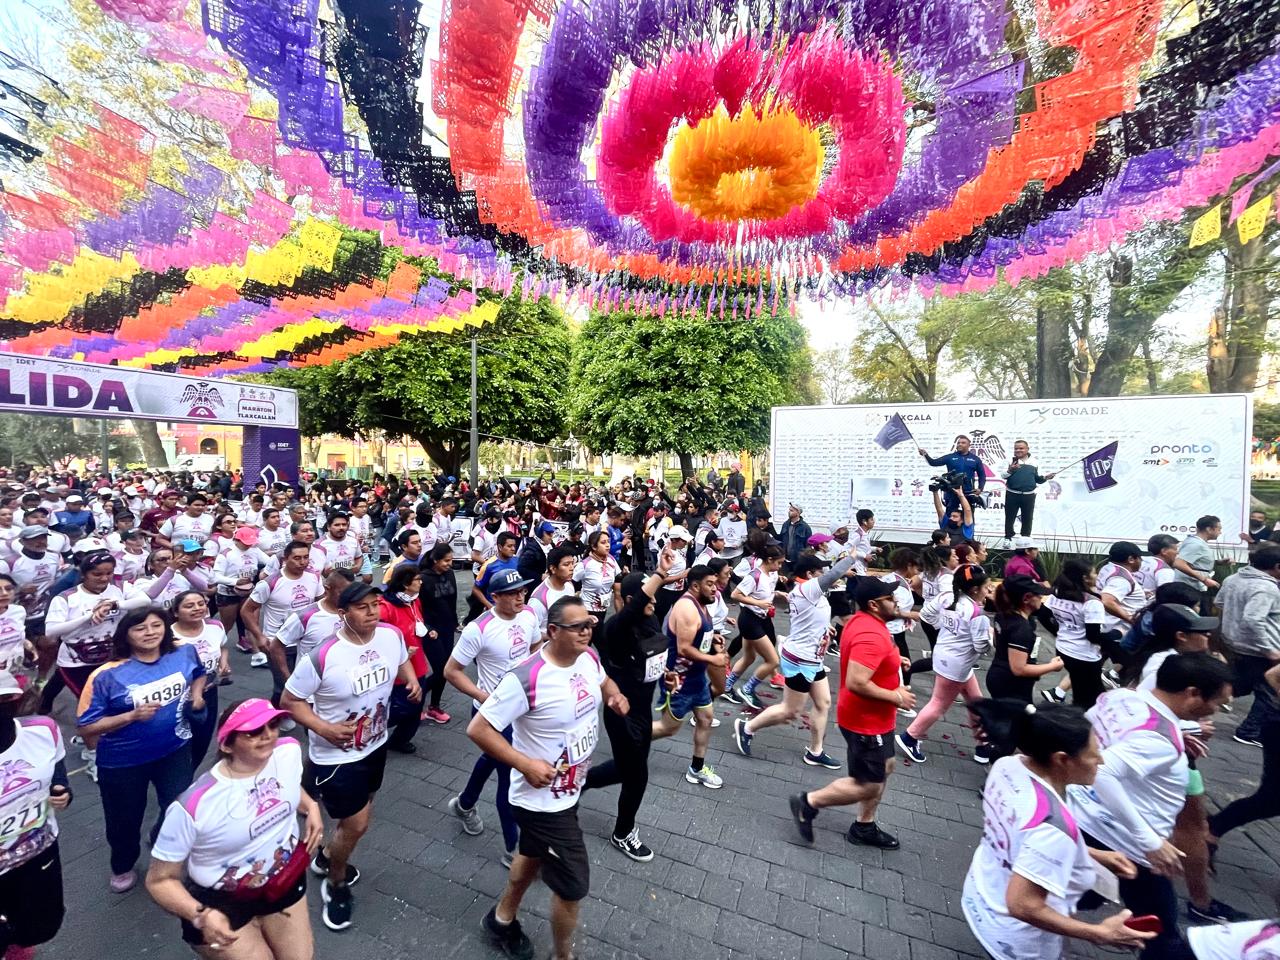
<point x="32" y="896"/>
<point x="630" y="737"/>
<point x="437" y="652"/>
<point x="924" y="664"/>
<point x="1265" y="802"/>
<point x="1086" y="680"/>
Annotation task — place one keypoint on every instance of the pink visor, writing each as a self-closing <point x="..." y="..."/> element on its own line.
<point x="250" y="715"/>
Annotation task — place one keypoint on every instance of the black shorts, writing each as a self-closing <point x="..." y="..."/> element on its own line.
<point x="755" y="628"/>
<point x="35" y="628"/>
<point x="346" y="788"/>
<point x="800" y="685"/>
<point x="868" y="755"/>
<point x="556" y="840"/>
<point x="238" y="912"/>
<point x="840" y="605"/>
<point x="32" y="896"/>
<point x="227" y="600"/>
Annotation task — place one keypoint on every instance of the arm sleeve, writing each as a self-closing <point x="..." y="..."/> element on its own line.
<point x="935" y="461"/>
<point x="842" y="567"/>
<point x="506" y="703"/>
<point x="93" y="700"/>
<point x="1045" y="858"/>
<point x="220" y="574"/>
<point x="468" y="645"/>
<point x="1115" y="798"/>
<point x="56" y="622"/>
<point x="177" y="835"/>
<point x="290" y="631"/>
<point x="305" y="681"/>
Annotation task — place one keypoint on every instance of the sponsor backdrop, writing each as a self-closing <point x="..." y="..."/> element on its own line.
<point x="1176" y="459"/>
<point x="43" y="385"/>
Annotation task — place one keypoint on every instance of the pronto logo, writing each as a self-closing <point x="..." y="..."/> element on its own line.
<point x="1181" y="448"/>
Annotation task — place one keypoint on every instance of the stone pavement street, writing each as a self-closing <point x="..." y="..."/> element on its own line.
<point x="731" y="878"/>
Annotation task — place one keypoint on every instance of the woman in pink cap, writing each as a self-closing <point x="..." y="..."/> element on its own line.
<point x="236" y="832"/>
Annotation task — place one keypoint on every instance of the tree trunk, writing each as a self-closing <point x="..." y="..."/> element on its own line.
<point x="448" y="457"/>
<point x="1053" y="350"/>
<point x="686" y="465"/>
<point x="1238" y="331"/>
<point x="152" y="449"/>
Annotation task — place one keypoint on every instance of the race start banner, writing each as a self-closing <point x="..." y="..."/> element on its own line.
<point x="1168" y="461"/>
<point x="49" y="386"/>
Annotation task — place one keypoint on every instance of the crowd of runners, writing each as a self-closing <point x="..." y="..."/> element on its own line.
<point x="125" y="598"/>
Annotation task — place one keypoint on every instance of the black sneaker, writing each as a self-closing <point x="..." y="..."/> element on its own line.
<point x="631" y="846"/>
<point x="803" y="815"/>
<point x="320" y="867"/>
<point x="1053" y="695"/>
<point x="407" y="748"/>
<point x="507" y="937"/>
<point x="337" y="906"/>
<point x="1216" y="912"/>
<point x="984" y="753"/>
<point x="870" y="835"/>
<point x="1247" y="740"/>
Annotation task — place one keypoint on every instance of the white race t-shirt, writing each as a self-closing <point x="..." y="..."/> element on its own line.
<point x="1250" y="940"/>
<point x="810" y="617"/>
<point x="1027" y="830"/>
<point x="28" y="826"/>
<point x="317" y="560"/>
<point x="349" y="681"/>
<point x="185" y="527"/>
<point x="129" y="566"/>
<point x="1072" y="617"/>
<point x="234" y="564"/>
<point x="1142" y="749"/>
<point x="341" y="553"/>
<point x="89" y="645"/>
<point x="307" y="629"/>
<point x="280" y="596"/>
<point x="1122" y="584"/>
<point x="273" y="542"/>
<point x="496" y="645"/>
<point x="13" y="636"/>
<point x="735" y="535"/>
<point x="39" y="573"/>
<point x="361" y="529"/>
<point x="1154" y="573"/>
<point x="233" y="833"/>
<point x="543" y="597"/>
<point x="906" y="600"/>
<point x="595" y="581"/>
<point x="964" y="634"/>
<point x="484" y="543"/>
<point x="554" y="713"/>
<point x="208" y="645"/>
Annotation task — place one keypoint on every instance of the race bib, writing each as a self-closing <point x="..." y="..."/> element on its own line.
<point x="655" y="666"/>
<point x="581" y="741"/>
<point x="369" y="677"/>
<point x="160" y="692"/>
<point x="27" y="814"/>
<point x="708" y="638"/>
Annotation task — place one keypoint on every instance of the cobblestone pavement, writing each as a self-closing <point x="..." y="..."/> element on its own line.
<point x="731" y="878"/>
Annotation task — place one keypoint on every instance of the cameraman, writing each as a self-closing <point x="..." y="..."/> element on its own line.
<point x="957" y="521"/>
<point x="1021" y="480"/>
<point x="962" y="461"/>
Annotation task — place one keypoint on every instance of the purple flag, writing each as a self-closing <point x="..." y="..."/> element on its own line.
<point x="1097" y="467"/>
<point x="893" y="432"/>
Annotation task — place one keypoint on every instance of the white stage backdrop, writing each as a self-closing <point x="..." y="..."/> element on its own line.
<point x="1178" y="458"/>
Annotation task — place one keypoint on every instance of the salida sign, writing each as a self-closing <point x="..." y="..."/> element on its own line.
<point x="41" y="385"/>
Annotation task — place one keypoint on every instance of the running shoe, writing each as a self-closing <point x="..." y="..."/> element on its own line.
<point x="1247" y="740"/>
<point x="741" y="737"/>
<point x="693" y="721"/>
<point x="259" y="660"/>
<point x="870" y="835"/>
<point x="320" y="867"/>
<point x="244" y="646"/>
<point x="983" y="754"/>
<point x="435" y="715"/>
<point x="911" y="747"/>
<point x="338" y="904"/>
<point x="1215" y="912"/>
<point x="91" y="764"/>
<point x="1053" y="695"/>
<point x="1110" y="679"/>
<point x="777" y="681"/>
<point x="631" y="846"/>
<point x="471" y="822"/>
<point x="507" y="937"/>
<point x="508" y="858"/>
<point x="803" y="815"/>
<point x="1227" y="708"/>
<point x="408" y="747"/>
<point x="749" y="700"/>
<point x="123" y="882"/>
<point x="707" y="776"/>
<point x="822" y="759"/>
<point x="732" y="694"/>
<point x="906" y="712"/>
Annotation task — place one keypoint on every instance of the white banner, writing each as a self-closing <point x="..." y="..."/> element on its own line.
<point x="1179" y="458"/>
<point x="45" y="385"/>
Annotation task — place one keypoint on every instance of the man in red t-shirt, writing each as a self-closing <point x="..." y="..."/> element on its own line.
<point x="153" y="519"/>
<point x="866" y="711"/>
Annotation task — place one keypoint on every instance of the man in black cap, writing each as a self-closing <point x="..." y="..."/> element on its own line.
<point x="871" y="693"/>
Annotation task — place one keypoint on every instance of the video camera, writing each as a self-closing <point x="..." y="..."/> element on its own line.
<point x="946" y="481"/>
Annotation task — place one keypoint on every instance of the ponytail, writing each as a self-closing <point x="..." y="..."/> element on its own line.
<point x="967" y="579"/>
<point x="963" y="552"/>
<point x="1037" y="732"/>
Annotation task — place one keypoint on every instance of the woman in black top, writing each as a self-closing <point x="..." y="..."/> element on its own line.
<point x="1014" y="669"/>
<point x="633" y="651"/>
<point x="439" y="600"/>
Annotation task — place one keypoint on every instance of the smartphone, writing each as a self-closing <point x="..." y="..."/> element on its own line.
<point x="1147" y="923"/>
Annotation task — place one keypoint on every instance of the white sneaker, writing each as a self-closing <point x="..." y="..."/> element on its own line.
<point x="906" y="712"/>
<point x="91" y="768"/>
<point x="693" y="721"/>
<point x="259" y="659"/>
<point x="706" y="776"/>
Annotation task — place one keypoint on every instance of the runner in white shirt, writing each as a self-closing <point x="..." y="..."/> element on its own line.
<point x="1032" y="865"/>
<point x="304" y="630"/>
<point x="273" y="537"/>
<point x="1157" y="566"/>
<point x="349" y="679"/>
<point x="236" y="831"/>
<point x="250" y="512"/>
<point x="14" y="645"/>
<point x="1122" y="595"/>
<point x="964" y="635"/>
<point x="33" y="791"/>
<point x="757" y="592"/>
<point x="733" y="527"/>
<point x="1142" y="786"/>
<point x="304" y="532"/>
<point x="495" y="641"/>
<point x="906" y="569"/>
<point x="84" y="619"/>
<point x="484" y="539"/>
<point x="802" y="655"/>
<point x="561" y="562"/>
<point x="274" y="598"/>
<point x="860" y="540"/>
<point x="169" y="573"/>
<point x="193" y="626"/>
<point x="235" y="570"/>
<point x="131" y="557"/>
<point x="673" y="583"/>
<point x="192" y="524"/>
<point x="34" y="569"/>
<point x="224" y="528"/>
<point x="711" y="546"/>
<point x="341" y="549"/>
<point x="551" y="704"/>
<point x="1080" y="616"/>
<point x="596" y="577"/>
<point x="440" y="529"/>
<point x="361" y="528"/>
<point x="9" y="530"/>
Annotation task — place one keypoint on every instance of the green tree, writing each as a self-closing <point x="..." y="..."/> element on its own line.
<point x="644" y="385"/>
<point x="420" y="387"/>
<point x="45" y="441"/>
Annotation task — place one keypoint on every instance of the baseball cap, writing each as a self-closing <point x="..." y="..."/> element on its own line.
<point x="1021" y="585"/>
<point x="1171" y="617"/>
<point x="734" y="505"/>
<point x="508" y="581"/>
<point x="818" y="539"/>
<point x="246" y="535"/>
<point x="1025" y="543"/>
<point x="251" y="715"/>
<point x="632" y="584"/>
<point x="355" y="593"/>
<point x="75" y="498"/>
<point x="104" y="491"/>
<point x="809" y="563"/>
<point x="872" y="588"/>
<point x="679" y="532"/>
<point x="546" y="526"/>
<point x="797" y="507"/>
<point x="189" y="546"/>
<point x="89" y="545"/>
<point x="1123" y="550"/>
<point x="8" y="685"/>
<point x="33" y="531"/>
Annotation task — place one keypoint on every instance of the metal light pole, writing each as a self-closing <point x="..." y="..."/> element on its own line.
<point x="475" y="423"/>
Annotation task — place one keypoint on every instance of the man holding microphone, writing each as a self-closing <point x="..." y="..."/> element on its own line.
<point x="1021" y="480"/>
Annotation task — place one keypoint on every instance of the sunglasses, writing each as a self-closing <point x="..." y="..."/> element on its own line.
<point x="581" y="626"/>
<point x="273" y="727"/>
